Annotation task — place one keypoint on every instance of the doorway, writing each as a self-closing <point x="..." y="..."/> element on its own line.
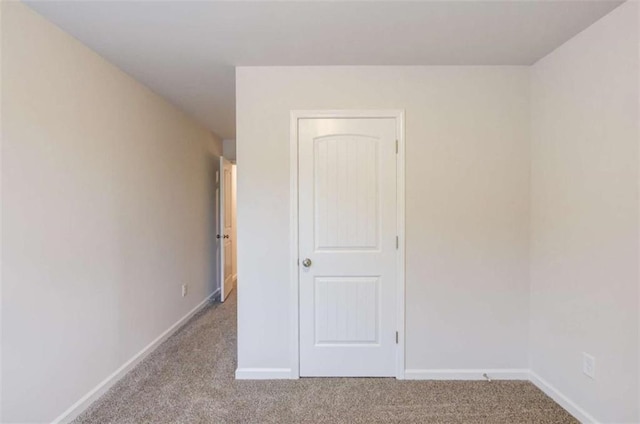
<point x="226" y="227"/>
<point x="349" y="245"/>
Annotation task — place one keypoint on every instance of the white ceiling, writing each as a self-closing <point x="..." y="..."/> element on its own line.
<point x="186" y="51"/>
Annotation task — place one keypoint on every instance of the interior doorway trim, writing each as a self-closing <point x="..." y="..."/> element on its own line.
<point x="295" y="116"/>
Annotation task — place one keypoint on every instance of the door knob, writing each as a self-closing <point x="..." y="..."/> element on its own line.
<point x="226" y="236"/>
<point x="306" y="263"/>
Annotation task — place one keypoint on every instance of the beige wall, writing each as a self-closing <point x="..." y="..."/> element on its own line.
<point x="215" y="146"/>
<point x="105" y="213"/>
<point x="229" y="149"/>
<point x="467" y="206"/>
<point x="584" y="226"/>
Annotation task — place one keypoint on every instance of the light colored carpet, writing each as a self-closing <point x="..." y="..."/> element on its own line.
<point x="190" y="379"/>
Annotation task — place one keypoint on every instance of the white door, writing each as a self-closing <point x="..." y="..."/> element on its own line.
<point x="347" y="246"/>
<point x="218" y="223"/>
<point x="226" y="222"/>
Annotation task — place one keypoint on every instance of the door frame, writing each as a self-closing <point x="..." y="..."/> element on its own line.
<point x="221" y="221"/>
<point x="295" y="116"/>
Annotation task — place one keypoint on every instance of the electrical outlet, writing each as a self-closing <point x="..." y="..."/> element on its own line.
<point x="588" y="365"/>
<point x="185" y="289"/>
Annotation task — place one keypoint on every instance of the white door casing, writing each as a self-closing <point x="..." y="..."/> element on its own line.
<point x="351" y="296"/>
<point x="218" y="223"/>
<point x="226" y="222"/>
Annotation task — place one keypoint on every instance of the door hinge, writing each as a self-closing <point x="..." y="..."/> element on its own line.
<point x="397" y="337"/>
<point x="397" y="242"/>
<point x="396" y="146"/>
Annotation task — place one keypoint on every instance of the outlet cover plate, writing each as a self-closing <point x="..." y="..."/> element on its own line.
<point x="588" y="365"/>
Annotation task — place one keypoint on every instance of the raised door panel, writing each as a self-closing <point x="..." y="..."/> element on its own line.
<point x="346" y="192"/>
<point x="346" y="310"/>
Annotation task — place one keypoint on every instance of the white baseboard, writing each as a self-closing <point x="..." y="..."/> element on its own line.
<point x="285" y="373"/>
<point x="466" y="374"/>
<point x="263" y="374"/>
<point x="448" y="374"/>
<point x="215" y="296"/>
<point x="77" y="408"/>
<point x="562" y="400"/>
<point x="504" y="374"/>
